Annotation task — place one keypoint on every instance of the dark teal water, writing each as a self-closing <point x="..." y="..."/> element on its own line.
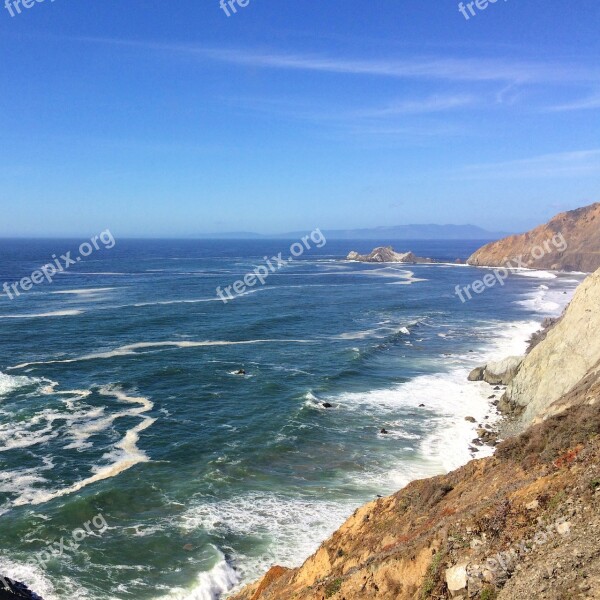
<point x="118" y="398"/>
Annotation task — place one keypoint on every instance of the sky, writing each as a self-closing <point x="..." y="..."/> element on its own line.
<point x="170" y="119"/>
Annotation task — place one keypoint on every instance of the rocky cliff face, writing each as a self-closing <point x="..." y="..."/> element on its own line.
<point x="570" y="351"/>
<point x="569" y="242"/>
<point x="524" y="523"/>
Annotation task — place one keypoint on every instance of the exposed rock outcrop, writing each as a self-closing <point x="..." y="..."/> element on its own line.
<point x="569" y="242"/>
<point x="570" y="351"/>
<point x="385" y="254"/>
<point x="501" y="372"/>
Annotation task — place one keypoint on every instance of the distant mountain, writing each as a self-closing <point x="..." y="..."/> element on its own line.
<point x="398" y="232"/>
<point x="414" y="232"/>
<point x="231" y="235"/>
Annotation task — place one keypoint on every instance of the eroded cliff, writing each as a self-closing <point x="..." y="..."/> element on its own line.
<point x="569" y="242"/>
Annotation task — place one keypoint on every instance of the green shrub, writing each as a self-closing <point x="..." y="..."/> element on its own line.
<point x="333" y="587"/>
<point x="433" y="575"/>
<point x="488" y="593"/>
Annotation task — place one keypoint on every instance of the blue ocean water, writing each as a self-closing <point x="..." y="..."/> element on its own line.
<point x="119" y="398"/>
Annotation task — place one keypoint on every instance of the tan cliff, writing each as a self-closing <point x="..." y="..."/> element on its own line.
<point x="570" y="351"/>
<point x="522" y="524"/>
<point x="569" y="242"/>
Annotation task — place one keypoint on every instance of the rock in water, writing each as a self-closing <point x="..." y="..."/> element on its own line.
<point x="15" y="590"/>
<point x="477" y="374"/>
<point x="385" y="254"/>
<point x="503" y="371"/>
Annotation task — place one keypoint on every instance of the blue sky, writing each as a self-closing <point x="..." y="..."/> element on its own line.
<point x="170" y="118"/>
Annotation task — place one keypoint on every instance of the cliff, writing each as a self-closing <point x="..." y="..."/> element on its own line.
<point x="385" y="254"/>
<point x="569" y="353"/>
<point x="524" y="523"/>
<point x="569" y="242"/>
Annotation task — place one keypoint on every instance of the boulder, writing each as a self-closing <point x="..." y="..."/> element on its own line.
<point x="477" y="374"/>
<point x="503" y="371"/>
<point x="456" y="579"/>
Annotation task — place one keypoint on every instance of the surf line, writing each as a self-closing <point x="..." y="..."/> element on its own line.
<point x="130" y="349"/>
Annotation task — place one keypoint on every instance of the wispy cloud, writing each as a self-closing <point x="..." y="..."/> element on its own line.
<point x="423" y="68"/>
<point x="289" y="107"/>
<point x="428" y="105"/>
<point x="589" y="103"/>
<point x="392" y="122"/>
<point x="563" y="164"/>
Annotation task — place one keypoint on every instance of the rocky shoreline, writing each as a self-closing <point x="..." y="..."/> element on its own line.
<point x="523" y="523"/>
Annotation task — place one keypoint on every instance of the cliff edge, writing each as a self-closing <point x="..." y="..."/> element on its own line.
<point x="569" y="242"/>
<point x="569" y="353"/>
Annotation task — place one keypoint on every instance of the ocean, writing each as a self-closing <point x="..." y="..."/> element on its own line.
<point x="126" y="433"/>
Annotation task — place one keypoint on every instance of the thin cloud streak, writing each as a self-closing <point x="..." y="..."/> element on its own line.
<point x="432" y="104"/>
<point x="590" y="103"/>
<point x="423" y="68"/>
<point x="562" y="164"/>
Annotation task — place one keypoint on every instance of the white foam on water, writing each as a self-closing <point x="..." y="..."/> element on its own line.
<point x="37" y="430"/>
<point x="35" y="578"/>
<point x="10" y="383"/>
<point x="57" y="313"/>
<point x="31" y="575"/>
<point x="124" y="455"/>
<point x="131" y="349"/>
<point x="547" y="301"/>
<point x="23" y="481"/>
<point x="85" y="291"/>
<point x="211" y="585"/>
<point x="448" y="398"/>
<point x="536" y="274"/>
<point x="291" y="528"/>
<point x="361" y="335"/>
